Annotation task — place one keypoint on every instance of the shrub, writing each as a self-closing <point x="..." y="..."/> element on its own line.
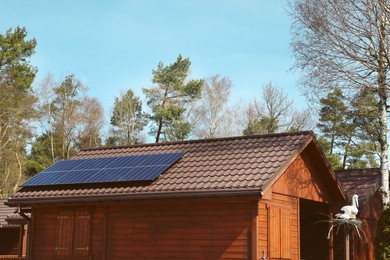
<point x="382" y="239"/>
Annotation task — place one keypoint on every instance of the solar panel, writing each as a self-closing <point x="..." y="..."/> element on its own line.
<point x="100" y="170"/>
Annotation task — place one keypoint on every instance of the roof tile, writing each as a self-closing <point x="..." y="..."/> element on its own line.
<point x="363" y="182"/>
<point x="236" y="163"/>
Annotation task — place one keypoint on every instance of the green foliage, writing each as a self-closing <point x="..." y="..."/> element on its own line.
<point x="39" y="157"/>
<point x="332" y="114"/>
<point x="349" y="130"/>
<point x="66" y="116"/>
<point x="264" y="125"/>
<point x="382" y="239"/>
<point x="333" y="159"/>
<point x="127" y="119"/>
<point x="169" y="98"/>
<point x="17" y="102"/>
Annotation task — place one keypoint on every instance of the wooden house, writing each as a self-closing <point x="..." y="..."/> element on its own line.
<point x="366" y="184"/>
<point x="12" y="233"/>
<point x="256" y="197"/>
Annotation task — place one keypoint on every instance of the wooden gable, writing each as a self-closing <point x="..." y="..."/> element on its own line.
<point x="309" y="177"/>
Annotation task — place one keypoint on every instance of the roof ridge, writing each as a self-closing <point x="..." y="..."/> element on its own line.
<point x="358" y="169"/>
<point x="242" y="137"/>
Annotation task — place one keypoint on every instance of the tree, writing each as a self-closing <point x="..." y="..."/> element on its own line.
<point x="91" y="123"/>
<point x="363" y="118"/>
<point x="168" y="100"/>
<point x="344" y="44"/>
<point x="212" y="117"/>
<point x="45" y="108"/>
<point x="332" y="115"/>
<point x="68" y="121"/>
<point x="274" y="112"/>
<point x="16" y="105"/>
<point x="382" y="237"/>
<point x="40" y="156"/>
<point x="67" y="115"/>
<point x="127" y="119"/>
<point x="343" y="126"/>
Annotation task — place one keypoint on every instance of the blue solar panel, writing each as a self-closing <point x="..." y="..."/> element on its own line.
<point x="100" y="170"/>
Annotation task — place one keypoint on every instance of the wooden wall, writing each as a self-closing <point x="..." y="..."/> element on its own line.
<point x="369" y="214"/>
<point x="9" y="237"/>
<point x="306" y="178"/>
<point x="278" y="239"/>
<point x="213" y="228"/>
<point x="162" y="229"/>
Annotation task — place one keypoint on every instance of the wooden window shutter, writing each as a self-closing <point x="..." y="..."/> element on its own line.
<point x="274" y="232"/>
<point x="64" y="232"/>
<point x="285" y="243"/>
<point x="82" y="232"/>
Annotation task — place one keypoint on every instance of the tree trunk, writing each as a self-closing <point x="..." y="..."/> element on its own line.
<point x="383" y="150"/>
<point x="382" y="89"/>
<point x="16" y="186"/>
<point x="159" y="131"/>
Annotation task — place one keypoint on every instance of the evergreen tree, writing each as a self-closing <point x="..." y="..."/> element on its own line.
<point x="343" y="128"/>
<point x="169" y="98"/>
<point x="332" y="115"/>
<point x="16" y="106"/>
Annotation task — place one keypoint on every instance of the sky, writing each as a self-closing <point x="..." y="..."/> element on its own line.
<point x="113" y="45"/>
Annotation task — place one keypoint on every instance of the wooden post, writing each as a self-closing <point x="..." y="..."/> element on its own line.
<point x="21" y="239"/>
<point x="347" y="244"/>
<point x="330" y="239"/>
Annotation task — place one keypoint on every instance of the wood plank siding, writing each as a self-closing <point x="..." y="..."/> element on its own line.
<point x="278" y="227"/>
<point x="278" y="211"/>
<point x="228" y="198"/>
<point x="180" y="229"/>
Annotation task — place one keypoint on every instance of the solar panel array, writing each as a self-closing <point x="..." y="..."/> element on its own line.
<point x="100" y="170"/>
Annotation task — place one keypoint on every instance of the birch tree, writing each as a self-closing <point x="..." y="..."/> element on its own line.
<point x="212" y="116"/>
<point x="91" y="123"/>
<point x="128" y="119"/>
<point x="344" y="44"/>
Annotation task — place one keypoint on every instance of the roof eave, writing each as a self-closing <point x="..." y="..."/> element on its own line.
<point x="135" y="196"/>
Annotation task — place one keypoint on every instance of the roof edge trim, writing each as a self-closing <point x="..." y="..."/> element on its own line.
<point x="289" y="161"/>
<point x="201" y="140"/>
<point x="136" y="196"/>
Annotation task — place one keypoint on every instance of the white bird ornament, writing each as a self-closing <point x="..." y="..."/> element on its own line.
<point x="350" y="211"/>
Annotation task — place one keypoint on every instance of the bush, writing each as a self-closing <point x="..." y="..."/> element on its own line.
<point x="382" y="239"/>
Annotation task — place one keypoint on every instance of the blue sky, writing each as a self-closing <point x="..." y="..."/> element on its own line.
<point x="114" y="45"/>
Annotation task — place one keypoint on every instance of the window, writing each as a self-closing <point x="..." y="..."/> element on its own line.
<point x="73" y="232"/>
<point x="279" y="232"/>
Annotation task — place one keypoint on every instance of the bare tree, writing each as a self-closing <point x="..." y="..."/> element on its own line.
<point x="61" y="118"/>
<point x="45" y="108"/>
<point x="274" y="112"/>
<point x="344" y="44"/>
<point x="91" y="123"/>
<point x="212" y="116"/>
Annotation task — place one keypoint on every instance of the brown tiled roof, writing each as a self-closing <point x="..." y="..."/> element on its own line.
<point x="214" y="166"/>
<point x="5" y="211"/>
<point x="363" y="182"/>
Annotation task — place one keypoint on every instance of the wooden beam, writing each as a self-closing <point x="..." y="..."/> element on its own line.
<point x="255" y="232"/>
<point x="105" y="223"/>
